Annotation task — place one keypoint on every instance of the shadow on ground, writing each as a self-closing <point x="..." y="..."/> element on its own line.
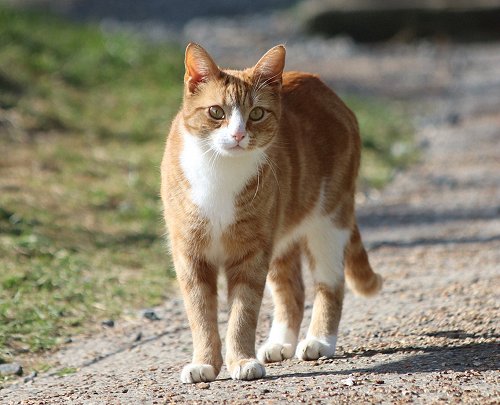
<point x="474" y="356"/>
<point x="403" y="216"/>
<point x="431" y="242"/>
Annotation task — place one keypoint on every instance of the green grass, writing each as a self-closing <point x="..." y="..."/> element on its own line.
<point x="62" y="77"/>
<point x="83" y="116"/>
<point x="387" y="136"/>
<point x="66" y="371"/>
<point x="83" y="121"/>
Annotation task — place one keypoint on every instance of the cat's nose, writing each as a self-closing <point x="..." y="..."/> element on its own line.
<point x="238" y="136"/>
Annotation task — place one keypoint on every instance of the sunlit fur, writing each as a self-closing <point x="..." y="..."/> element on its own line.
<point x="279" y="200"/>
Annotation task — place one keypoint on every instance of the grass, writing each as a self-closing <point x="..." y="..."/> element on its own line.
<point x="66" y="371"/>
<point x="387" y="136"/>
<point x="67" y="78"/>
<point x="83" y="117"/>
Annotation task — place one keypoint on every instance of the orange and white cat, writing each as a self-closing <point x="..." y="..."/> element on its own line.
<point x="258" y="181"/>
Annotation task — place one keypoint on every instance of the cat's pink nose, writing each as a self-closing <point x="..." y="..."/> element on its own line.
<point x="238" y="136"/>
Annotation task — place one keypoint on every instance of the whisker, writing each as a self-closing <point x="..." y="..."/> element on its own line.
<point x="208" y="150"/>
<point x="256" y="85"/>
<point x="271" y="166"/>
<point x="269" y="80"/>
<point x="258" y="182"/>
<point x="214" y="161"/>
<point x="260" y="85"/>
<point x="260" y="169"/>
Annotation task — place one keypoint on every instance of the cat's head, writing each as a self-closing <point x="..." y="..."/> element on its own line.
<point x="232" y="112"/>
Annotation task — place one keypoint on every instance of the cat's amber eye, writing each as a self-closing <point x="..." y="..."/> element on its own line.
<point x="216" y="112"/>
<point x="256" y="114"/>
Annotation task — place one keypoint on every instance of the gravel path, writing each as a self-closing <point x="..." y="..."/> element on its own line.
<point x="432" y="335"/>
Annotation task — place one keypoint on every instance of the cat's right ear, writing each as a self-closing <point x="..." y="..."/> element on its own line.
<point x="199" y="67"/>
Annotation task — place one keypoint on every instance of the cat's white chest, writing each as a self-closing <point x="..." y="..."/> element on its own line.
<point x="215" y="183"/>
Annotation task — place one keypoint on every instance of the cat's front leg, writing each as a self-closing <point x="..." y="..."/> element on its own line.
<point x="245" y="282"/>
<point x="198" y="282"/>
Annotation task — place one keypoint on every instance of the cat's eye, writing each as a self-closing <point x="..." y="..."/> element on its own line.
<point x="216" y="112"/>
<point x="256" y="114"/>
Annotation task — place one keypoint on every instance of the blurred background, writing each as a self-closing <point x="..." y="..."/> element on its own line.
<point x="87" y="92"/>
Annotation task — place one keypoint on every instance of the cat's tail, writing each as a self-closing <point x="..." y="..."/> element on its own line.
<point x="359" y="274"/>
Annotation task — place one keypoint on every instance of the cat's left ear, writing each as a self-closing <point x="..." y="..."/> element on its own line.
<point x="269" y="68"/>
<point x="200" y="67"/>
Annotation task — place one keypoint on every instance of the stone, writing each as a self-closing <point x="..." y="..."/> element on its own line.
<point x="30" y="377"/>
<point x="110" y="323"/>
<point x="10" y="369"/>
<point x="151" y="315"/>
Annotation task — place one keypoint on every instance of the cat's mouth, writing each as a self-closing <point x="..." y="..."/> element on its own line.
<point x="233" y="149"/>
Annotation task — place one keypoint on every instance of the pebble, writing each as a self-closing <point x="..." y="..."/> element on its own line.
<point x="30" y="377"/>
<point x="203" y="385"/>
<point x="151" y="315"/>
<point x="110" y="323"/>
<point x="348" y="381"/>
<point x="10" y="369"/>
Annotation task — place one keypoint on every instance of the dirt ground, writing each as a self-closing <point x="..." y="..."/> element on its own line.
<point x="432" y="335"/>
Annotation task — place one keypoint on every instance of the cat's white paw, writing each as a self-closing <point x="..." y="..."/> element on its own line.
<point x="312" y="348"/>
<point x="193" y="373"/>
<point x="271" y="352"/>
<point x="248" y="370"/>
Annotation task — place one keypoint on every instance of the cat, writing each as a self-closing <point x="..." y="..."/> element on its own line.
<point x="258" y="181"/>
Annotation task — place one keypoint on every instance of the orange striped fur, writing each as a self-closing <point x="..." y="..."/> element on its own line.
<point x="258" y="181"/>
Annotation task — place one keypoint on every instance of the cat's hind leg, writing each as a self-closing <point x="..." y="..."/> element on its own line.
<point x="285" y="282"/>
<point x="325" y="249"/>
